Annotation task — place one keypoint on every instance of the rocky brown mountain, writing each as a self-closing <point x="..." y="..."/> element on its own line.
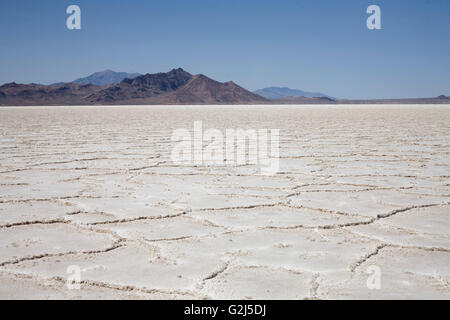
<point x="174" y="87"/>
<point x="142" y="88"/>
<point x="13" y="94"/>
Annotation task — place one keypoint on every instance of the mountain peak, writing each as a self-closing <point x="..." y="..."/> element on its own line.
<point x="104" y="78"/>
<point x="106" y="72"/>
<point x="10" y="85"/>
<point x="174" y="87"/>
<point x="202" y="77"/>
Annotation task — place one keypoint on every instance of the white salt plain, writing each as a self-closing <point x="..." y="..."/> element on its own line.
<point x="95" y="187"/>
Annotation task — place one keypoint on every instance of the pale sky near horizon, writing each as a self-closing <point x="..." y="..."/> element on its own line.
<point x="312" y="45"/>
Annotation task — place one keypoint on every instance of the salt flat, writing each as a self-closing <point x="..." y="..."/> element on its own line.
<point x="95" y="187"/>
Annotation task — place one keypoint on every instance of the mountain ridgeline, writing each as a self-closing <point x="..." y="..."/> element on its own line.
<point x="174" y="87"/>
<point x="275" y="93"/>
<point x="171" y="88"/>
<point x="105" y="78"/>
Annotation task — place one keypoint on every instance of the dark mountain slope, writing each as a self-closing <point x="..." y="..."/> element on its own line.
<point x="203" y="90"/>
<point x="142" y="87"/>
<point x="33" y="94"/>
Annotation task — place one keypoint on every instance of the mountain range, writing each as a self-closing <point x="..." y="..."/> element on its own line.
<point x="105" y="78"/>
<point x="102" y="78"/>
<point x="174" y="87"/>
<point x="275" y="93"/>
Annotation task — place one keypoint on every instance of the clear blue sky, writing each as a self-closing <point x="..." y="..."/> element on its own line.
<point x="315" y="45"/>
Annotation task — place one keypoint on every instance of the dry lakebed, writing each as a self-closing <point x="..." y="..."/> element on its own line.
<point x="359" y="207"/>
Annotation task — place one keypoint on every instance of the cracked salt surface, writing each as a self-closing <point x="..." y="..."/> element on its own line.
<point x="358" y="186"/>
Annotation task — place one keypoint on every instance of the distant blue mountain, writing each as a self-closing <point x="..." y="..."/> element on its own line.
<point x="103" y="78"/>
<point x="106" y="77"/>
<point x="273" y="93"/>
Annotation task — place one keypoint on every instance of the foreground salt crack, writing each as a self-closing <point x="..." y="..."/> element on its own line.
<point x="95" y="187"/>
